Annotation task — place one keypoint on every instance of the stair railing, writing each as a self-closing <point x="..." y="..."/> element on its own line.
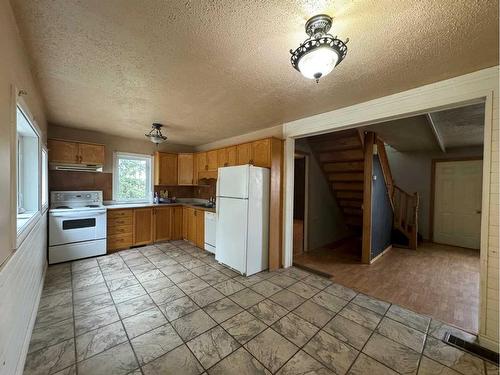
<point x="406" y="214"/>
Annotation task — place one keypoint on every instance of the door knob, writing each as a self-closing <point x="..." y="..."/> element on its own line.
<point x="478" y="211"/>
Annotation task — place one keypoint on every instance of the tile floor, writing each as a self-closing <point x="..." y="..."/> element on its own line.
<point x="172" y="309"/>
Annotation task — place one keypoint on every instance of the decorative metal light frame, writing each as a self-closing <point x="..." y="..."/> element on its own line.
<point x="317" y="28"/>
<point x="155" y="134"/>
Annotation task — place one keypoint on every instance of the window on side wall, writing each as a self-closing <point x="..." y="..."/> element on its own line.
<point x="28" y="169"/>
<point x="132" y="180"/>
<point x="45" y="178"/>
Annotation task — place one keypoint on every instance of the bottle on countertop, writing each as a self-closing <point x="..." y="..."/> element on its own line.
<point x="156" y="199"/>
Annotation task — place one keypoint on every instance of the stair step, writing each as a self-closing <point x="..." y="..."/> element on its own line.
<point x="346" y="176"/>
<point x="358" y="195"/>
<point x="350" y="203"/>
<point x="350" y="186"/>
<point x="353" y="220"/>
<point x="352" y="166"/>
<point x="347" y="143"/>
<point x="352" y="211"/>
<point x="338" y="156"/>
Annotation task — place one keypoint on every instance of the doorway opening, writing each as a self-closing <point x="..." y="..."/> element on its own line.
<point x="395" y="211"/>
<point x="299" y="204"/>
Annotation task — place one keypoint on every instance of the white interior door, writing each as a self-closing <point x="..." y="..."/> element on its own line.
<point x="457" y="203"/>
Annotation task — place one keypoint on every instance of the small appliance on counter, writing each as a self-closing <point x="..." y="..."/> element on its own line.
<point x="243" y="218"/>
<point x="77" y="225"/>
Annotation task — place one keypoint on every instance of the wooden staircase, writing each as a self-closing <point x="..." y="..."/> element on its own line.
<point x="341" y="157"/>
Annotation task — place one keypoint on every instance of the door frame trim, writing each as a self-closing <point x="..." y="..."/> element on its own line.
<point x="472" y="88"/>
<point x="433" y="188"/>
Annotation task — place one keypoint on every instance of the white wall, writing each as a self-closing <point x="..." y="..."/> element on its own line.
<point x="412" y="172"/>
<point x="21" y="272"/>
<point x="325" y="222"/>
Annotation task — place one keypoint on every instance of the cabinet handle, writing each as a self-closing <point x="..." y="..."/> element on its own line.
<point x="206" y="167"/>
<point x="251" y="161"/>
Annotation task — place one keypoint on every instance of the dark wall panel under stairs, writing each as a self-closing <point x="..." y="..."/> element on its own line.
<point x="382" y="215"/>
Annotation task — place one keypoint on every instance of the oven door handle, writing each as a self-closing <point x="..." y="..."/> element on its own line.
<point x="79" y="214"/>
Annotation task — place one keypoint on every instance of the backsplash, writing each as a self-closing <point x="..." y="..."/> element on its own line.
<point x="68" y="180"/>
<point x="200" y="192"/>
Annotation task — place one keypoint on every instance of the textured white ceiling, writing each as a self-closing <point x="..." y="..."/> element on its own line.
<point x="214" y="69"/>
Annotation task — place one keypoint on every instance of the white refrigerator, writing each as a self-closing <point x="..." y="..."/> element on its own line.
<point x="242" y="235"/>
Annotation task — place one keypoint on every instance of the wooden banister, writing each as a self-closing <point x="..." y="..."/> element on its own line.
<point x="406" y="214"/>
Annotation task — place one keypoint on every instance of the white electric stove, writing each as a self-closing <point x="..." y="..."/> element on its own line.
<point x="77" y="225"/>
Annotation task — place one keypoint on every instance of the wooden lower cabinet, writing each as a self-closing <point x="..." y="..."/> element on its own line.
<point x="200" y="228"/>
<point x="143" y="226"/>
<point x="163" y="223"/>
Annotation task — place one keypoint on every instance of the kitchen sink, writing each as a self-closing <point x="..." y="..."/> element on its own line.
<point x="204" y="205"/>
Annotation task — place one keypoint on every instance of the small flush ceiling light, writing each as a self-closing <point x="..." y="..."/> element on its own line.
<point x="321" y="52"/>
<point x="155" y="135"/>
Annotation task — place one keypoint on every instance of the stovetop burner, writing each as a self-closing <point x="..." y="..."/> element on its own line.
<point x="65" y="207"/>
<point x="92" y="205"/>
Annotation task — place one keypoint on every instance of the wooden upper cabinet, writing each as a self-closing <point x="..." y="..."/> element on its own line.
<point x="75" y="152"/>
<point x="185" y="169"/>
<point x="222" y="157"/>
<point x="261" y="153"/>
<point x="232" y="156"/>
<point x="91" y="154"/>
<point x="143" y="226"/>
<point x="63" y="151"/>
<point x="244" y="152"/>
<point x="163" y="223"/>
<point x="212" y="160"/>
<point x="200" y="228"/>
<point x="165" y="168"/>
<point x="202" y="161"/>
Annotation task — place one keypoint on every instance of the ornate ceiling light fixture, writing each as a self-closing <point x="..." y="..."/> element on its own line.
<point x="321" y="52"/>
<point x="155" y="135"/>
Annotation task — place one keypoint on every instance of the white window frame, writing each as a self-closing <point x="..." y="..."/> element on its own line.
<point x="19" y="234"/>
<point x="44" y="169"/>
<point x="116" y="156"/>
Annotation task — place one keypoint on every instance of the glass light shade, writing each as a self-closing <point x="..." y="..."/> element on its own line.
<point x="318" y="63"/>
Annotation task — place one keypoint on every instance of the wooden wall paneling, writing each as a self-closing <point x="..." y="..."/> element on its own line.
<point x="276" y="205"/>
<point x="367" y="198"/>
<point x="143" y="226"/>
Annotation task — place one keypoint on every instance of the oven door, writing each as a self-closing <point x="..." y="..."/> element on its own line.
<point x="69" y="227"/>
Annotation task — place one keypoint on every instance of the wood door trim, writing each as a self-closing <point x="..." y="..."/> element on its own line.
<point x="433" y="187"/>
<point x="367" y="198"/>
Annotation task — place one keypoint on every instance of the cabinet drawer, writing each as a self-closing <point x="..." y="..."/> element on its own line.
<point x="120" y="229"/>
<point x="119" y="213"/>
<point x="118" y="221"/>
<point x="118" y="241"/>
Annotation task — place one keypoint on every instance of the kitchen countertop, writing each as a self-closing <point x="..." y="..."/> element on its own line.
<point x="116" y="206"/>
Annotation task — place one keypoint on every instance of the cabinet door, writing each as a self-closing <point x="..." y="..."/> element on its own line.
<point x="163" y="223"/>
<point x="177" y="223"/>
<point x="202" y="161"/>
<point x="63" y="151"/>
<point x="191" y="235"/>
<point x="185" y="169"/>
<point x="165" y="169"/>
<point x="143" y="226"/>
<point x="185" y="223"/>
<point x="200" y="229"/>
<point x="222" y="158"/>
<point x="232" y="156"/>
<point x="261" y="153"/>
<point x="212" y="160"/>
<point x="244" y="152"/>
<point x="91" y="154"/>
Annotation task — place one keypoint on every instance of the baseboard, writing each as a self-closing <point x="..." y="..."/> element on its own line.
<point x="488" y="343"/>
<point x="381" y="254"/>
<point x="27" y="339"/>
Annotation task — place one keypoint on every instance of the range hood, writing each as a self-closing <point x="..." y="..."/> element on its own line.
<point x="76" y="167"/>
